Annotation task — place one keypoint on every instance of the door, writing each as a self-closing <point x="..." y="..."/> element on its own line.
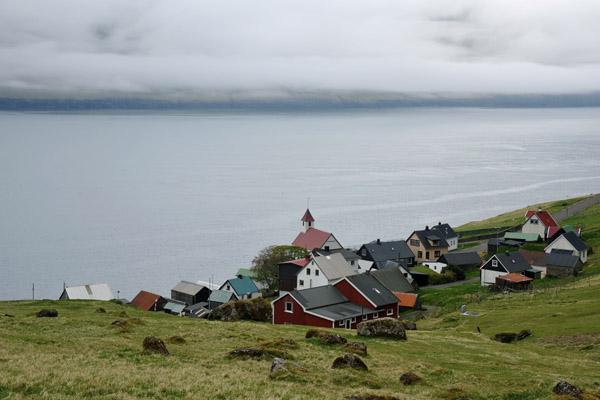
<point x="348" y="324"/>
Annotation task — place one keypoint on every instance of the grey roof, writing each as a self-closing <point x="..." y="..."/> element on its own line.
<point x="513" y="262"/>
<point x="445" y="230"/>
<point x="333" y="266"/>
<point x="340" y="311"/>
<point x="393" y="250"/>
<point x="196" y="307"/>
<point x="393" y="280"/>
<point x="347" y="254"/>
<point x="188" y="288"/>
<point x="221" y="296"/>
<point x="317" y="297"/>
<point x="562" y="260"/>
<point x="460" y="259"/>
<point x="561" y="251"/>
<point x="372" y="289"/>
<point x="575" y="241"/>
<point x="431" y="235"/>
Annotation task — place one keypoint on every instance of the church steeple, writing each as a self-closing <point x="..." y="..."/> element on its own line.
<point x="307" y="221"/>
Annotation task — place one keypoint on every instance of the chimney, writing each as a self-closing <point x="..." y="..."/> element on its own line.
<point x="439" y="223"/>
<point x="426" y="227"/>
<point x="307" y="257"/>
<point x="507" y="253"/>
<point x="540" y="209"/>
<point x="378" y="241"/>
<point x="239" y="276"/>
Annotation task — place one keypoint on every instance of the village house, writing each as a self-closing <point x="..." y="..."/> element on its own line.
<point x="148" y="301"/>
<point x="514" y="281"/>
<point x="350" y="301"/>
<point x="408" y="301"/>
<point x="288" y="273"/>
<point x="463" y="260"/>
<point x="504" y="264"/>
<point x="220" y="297"/>
<point x="311" y="238"/>
<point x="448" y="234"/>
<point x="323" y="270"/>
<point x="379" y="252"/>
<point x="252" y="275"/>
<point x="243" y="287"/>
<point x="351" y="258"/>
<point x="553" y="265"/>
<point x="569" y="243"/>
<point x="190" y="293"/>
<point x="538" y="222"/>
<point x="427" y="245"/>
<point x="94" y="291"/>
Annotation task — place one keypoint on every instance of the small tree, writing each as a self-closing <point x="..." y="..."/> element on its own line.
<point x="266" y="264"/>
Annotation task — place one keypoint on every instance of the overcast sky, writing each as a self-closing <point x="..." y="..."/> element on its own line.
<point x="262" y="47"/>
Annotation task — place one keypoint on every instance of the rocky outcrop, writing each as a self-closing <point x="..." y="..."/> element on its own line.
<point x="410" y="378"/>
<point x="409" y="325"/>
<point x="282" y="368"/>
<point x="509" y="337"/>
<point x="349" y="360"/>
<point x="357" y="347"/>
<point x="257" y="309"/>
<point x="247" y="352"/>
<point x="327" y="337"/>
<point x="155" y="345"/>
<point x="47" y="313"/>
<point x="563" y="388"/>
<point x="386" y="327"/>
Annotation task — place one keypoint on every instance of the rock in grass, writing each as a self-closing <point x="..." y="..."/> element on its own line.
<point x="156" y="345"/>
<point x="279" y="342"/>
<point x="523" y="334"/>
<point x="505" y="337"/>
<point x="409" y="378"/>
<point x="387" y="327"/>
<point x="357" y="347"/>
<point x="257" y="309"/>
<point x="47" y="313"/>
<point x="176" y="339"/>
<point x="327" y="337"/>
<point x="563" y="388"/>
<point x="101" y="310"/>
<point x="281" y="367"/>
<point x="409" y="325"/>
<point x="247" y="352"/>
<point x="349" y="360"/>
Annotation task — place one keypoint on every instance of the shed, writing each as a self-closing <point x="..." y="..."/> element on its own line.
<point x="190" y="293"/>
<point x="94" y="291"/>
<point x="148" y="301"/>
<point x="514" y="281"/>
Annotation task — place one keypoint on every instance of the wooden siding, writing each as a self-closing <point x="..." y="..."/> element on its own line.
<point x="353" y="295"/>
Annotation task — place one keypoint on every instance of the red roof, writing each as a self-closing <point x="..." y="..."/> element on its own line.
<point x="307" y="217"/>
<point x="515" y="278"/>
<point x="145" y="300"/>
<point x="544" y="216"/>
<point x="301" y="261"/>
<point x="312" y="239"/>
<point x="553" y="230"/>
<point x="407" y="299"/>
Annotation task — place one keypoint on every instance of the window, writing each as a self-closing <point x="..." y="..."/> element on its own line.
<point x="316" y="272"/>
<point x="307" y="271"/>
<point x="375" y="315"/>
<point x="341" y="323"/>
<point x="309" y="224"/>
<point x="420" y="254"/>
<point x="289" y="307"/>
<point x="427" y="255"/>
<point x="417" y="242"/>
<point x="494" y="263"/>
<point x="353" y="320"/>
<point x="412" y="242"/>
<point x="437" y="253"/>
<point x="301" y="282"/>
<point x="390" y="312"/>
<point x="533" y="221"/>
<point x="364" y="317"/>
<point x="352" y="262"/>
<point x="363" y="252"/>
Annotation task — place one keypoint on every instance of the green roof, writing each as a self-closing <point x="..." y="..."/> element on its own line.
<point x="569" y="228"/>
<point x="220" y="296"/>
<point x="243" y="285"/>
<point x="528" y="237"/>
<point x="245" y="272"/>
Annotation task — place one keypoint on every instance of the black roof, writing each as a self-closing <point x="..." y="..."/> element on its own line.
<point x="372" y="289"/>
<point x="562" y="260"/>
<point x="387" y="264"/>
<point x="461" y="259"/>
<point x="445" y="230"/>
<point x="339" y="311"/>
<point x="575" y="241"/>
<point x="347" y="254"/>
<point x="427" y="234"/>
<point x="392" y="250"/>
<point x="318" y="297"/>
<point x="512" y="262"/>
<point x="393" y="279"/>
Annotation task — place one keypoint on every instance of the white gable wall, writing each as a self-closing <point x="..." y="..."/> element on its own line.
<point x="332" y="243"/>
<point x="452" y="243"/>
<point x="563" y="244"/>
<point x="435" y="266"/>
<point x="311" y="276"/>
<point x="534" y="225"/>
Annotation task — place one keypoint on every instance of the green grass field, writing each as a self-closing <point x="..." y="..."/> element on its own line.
<point x="81" y="355"/>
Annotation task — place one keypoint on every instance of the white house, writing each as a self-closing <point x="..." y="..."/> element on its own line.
<point x="538" y="222"/>
<point x="435" y="266"/>
<point x="569" y="243"/>
<point x="323" y="270"/>
<point x="502" y="264"/>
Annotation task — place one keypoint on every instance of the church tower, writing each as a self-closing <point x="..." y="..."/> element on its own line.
<point x="307" y="221"/>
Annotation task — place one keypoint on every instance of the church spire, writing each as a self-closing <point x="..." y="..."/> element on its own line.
<point x="307" y="221"/>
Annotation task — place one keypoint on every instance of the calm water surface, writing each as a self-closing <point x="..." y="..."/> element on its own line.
<point x="142" y="200"/>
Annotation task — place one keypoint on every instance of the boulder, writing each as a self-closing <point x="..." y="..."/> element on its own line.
<point x="523" y="334"/>
<point x="387" y="327"/>
<point x="176" y="339"/>
<point x="47" y="313"/>
<point x="409" y="325"/>
<point x="101" y="310"/>
<point x="156" y="345"/>
<point x="357" y="347"/>
<point x="257" y="309"/>
<point x="409" y="378"/>
<point x="247" y="352"/>
<point x="281" y="367"/>
<point x="505" y="337"/>
<point x="419" y="316"/>
<point x="329" y="338"/>
<point x="279" y="342"/>
<point x="563" y="388"/>
<point x="349" y="360"/>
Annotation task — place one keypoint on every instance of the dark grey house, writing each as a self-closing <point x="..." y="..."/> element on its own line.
<point x="190" y="293"/>
<point x="379" y="252"/>
<point x="463" y="260"/>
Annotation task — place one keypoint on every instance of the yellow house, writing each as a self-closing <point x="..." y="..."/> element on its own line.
<point x="427" y="245"/>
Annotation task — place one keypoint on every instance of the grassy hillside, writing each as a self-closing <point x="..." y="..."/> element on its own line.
<point x="81" y="355"/>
